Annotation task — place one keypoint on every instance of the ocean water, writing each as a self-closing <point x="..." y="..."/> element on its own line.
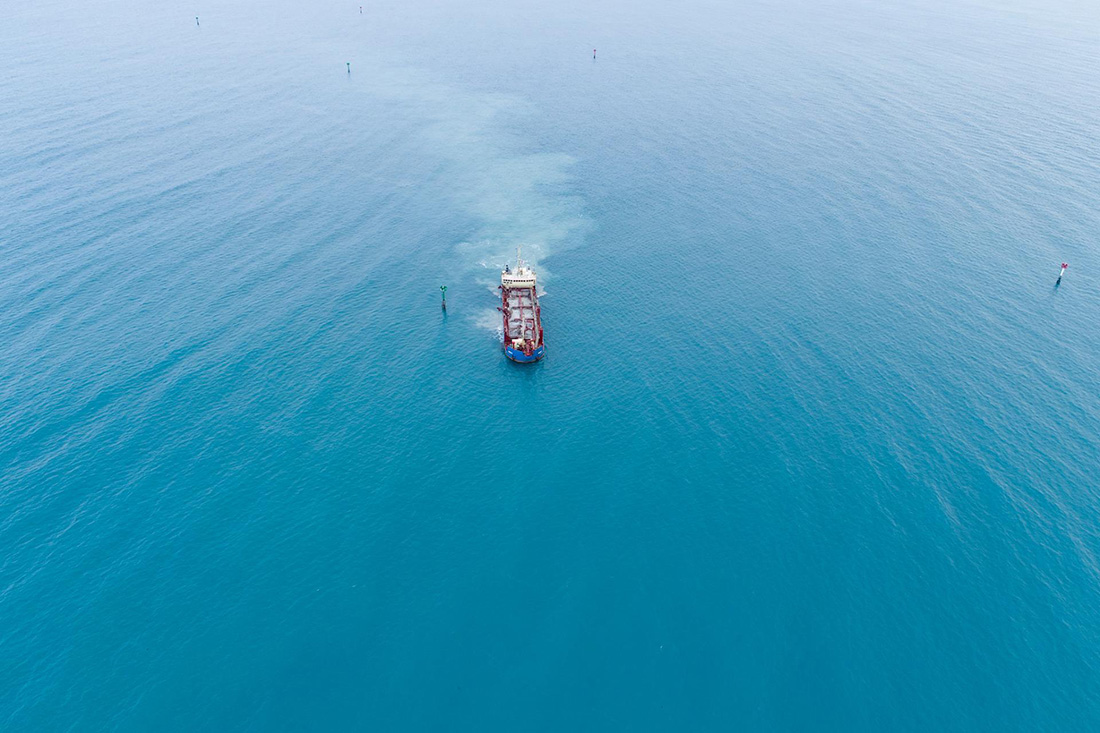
<point x="815" y="445"/>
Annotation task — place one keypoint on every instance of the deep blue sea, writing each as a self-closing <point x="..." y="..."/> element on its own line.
<point x="815" y="446"/>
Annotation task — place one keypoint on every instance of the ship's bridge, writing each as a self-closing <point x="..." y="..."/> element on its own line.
<point x="522" y="277"/>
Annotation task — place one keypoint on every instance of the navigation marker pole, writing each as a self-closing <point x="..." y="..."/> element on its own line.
<point x="444" y="289"/>
<point x="349" y="67"/>
<point x="1063" y="272"/>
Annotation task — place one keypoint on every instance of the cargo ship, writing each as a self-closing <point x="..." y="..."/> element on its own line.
<point x="519" y="303"/>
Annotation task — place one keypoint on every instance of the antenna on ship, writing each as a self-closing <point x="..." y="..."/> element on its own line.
<point x="1062" y="272"/>
<point x="444" y="289"/>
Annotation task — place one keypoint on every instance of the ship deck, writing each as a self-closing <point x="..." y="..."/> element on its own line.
<point x="522" y="319"/>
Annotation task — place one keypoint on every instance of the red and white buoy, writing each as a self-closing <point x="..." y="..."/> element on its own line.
<point x="1063" y="271"/>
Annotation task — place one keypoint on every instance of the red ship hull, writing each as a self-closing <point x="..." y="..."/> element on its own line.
<point x="522" y="324"/>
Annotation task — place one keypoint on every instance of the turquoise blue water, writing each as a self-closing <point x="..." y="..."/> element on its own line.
<point x="814" y="446"/>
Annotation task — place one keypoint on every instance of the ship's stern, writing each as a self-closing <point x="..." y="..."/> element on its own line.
<point x="521" y="357"/>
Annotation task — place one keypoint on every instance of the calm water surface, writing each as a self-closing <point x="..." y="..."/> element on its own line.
<point x="814" y="446"/>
